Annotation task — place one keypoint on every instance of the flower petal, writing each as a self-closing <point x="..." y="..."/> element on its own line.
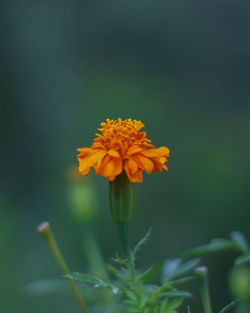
<point x="109" y="167"/>
<point x="114" y="153"/>
<point x="158" y="166"/>
<point x="145" y="163"/>
<point x="132" y="165"/>
<point x="89" y="158"/>
<point x="133" y="150"/>
<point x="135" y="176"/>
<point x="159" y="152"/>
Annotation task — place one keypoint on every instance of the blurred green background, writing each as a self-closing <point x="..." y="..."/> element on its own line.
<point x="182" y="67"/>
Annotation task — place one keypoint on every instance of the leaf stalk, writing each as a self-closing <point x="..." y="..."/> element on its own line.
<point x="45" y="230"/>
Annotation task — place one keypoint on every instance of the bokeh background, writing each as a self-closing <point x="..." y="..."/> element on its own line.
<point x="182" y="67"/>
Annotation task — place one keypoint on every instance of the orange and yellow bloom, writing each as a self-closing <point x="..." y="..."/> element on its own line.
<point x="122" y="146"/>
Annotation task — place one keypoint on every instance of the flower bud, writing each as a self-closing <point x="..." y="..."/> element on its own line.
<point x="121" y="196"/>
<point x="239" y="282"/>
<point x="81" y="196"/>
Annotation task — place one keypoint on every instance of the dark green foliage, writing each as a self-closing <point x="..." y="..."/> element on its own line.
<point x="133" y="289"/>
<point x="237" y="243"/>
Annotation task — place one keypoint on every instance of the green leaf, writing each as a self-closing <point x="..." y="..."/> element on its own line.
<point x="170" y="268"/>
<point x="86" y="278"/>
<point x="240" y="239"/>
<point x="144" y="296"/>
<point x="124" y="276"/>
<point x="163" y="307"/>
<point x="181" y="281"/>
<point x="151" y="273"/>
<point x="163" y="288"/>
<point x="156" y="310"/>
<point x="134" y="308"/>
<point x="152" y="287"/>
<point x="229" y="306"/>
<point x="175" y="304"/>
<point x="188" y="308"/>
<point x="131" y="297"/>
<point x="242" y="259"/>
<point x="175" y="268"/>
<point x="121" y="261"/>
<point x="216" y="245"/>
<point x="170" y="307"/>
<point x="93" y="280"/>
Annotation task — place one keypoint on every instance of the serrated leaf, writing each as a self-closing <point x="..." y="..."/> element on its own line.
<point x="242" y="259"/>
<point x="229" y="306"/>
<point x="216" y="245"/>
<point x="240" y="239"/>
<point x="93" y="280"/>
<point x="175" y="268"/>
<point x="86" y="278"/>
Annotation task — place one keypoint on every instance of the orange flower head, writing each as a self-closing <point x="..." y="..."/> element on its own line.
<point x="122" y="146"/>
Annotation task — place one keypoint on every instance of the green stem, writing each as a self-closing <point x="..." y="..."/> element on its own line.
<point x="131" y="266"/>
<point x="201" y="275"/>
<point x="45" y="230"/>
<point x="123" y="230"/>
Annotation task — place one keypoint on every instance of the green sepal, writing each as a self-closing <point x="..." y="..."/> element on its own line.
<point x="122" y="200"/>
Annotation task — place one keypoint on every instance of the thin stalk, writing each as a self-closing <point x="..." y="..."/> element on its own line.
<point x="229" y="306"/>
<point x="123" y="232"/>
<point x="45" y="230"/>
<point x="201" y="275"/>
<point x="131" y="266"/>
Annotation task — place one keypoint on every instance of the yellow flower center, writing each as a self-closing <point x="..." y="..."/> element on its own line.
<point x="123" y="130"/>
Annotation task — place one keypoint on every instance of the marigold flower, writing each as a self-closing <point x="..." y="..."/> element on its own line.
<point x="122" y="146"/>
